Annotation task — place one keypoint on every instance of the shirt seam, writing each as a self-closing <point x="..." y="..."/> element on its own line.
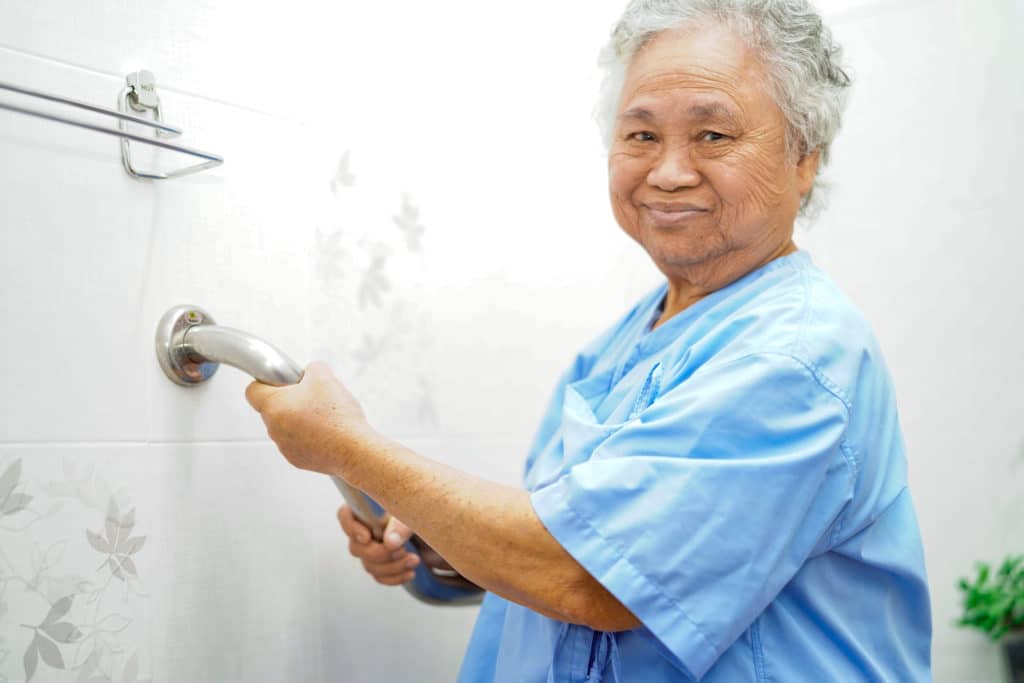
<point x="623" y="557"/>
<point x="816" y="370"/>
<point x="758" y="647"/>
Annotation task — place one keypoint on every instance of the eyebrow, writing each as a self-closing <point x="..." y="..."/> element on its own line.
<point x="705" y="112"/>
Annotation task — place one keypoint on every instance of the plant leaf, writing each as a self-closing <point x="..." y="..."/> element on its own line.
<point x="112" y="529"/>
<point x="98" y="542"/>
<point x="63" y="632"/>
<point x="128" y="565"/>
<point x="115" y="568"/>
<point x="88" y="666"/>
<point x="130" y="546"/>
<point x="59" y="609"/>
<point x="114" y="623"/>
<point x="15" y="503"/>
<point x="10" y="478"/>
<point x="113" y="513"/>
<point x="31" y="659"/>
<point x="50" y="653"/>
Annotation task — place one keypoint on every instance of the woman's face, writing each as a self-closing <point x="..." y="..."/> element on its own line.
<point x="699" y="172"/>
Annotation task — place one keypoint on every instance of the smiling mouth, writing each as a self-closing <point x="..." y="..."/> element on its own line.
<point x="672" y="214"/>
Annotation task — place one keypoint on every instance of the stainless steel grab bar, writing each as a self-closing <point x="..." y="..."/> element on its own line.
<point x="241" y="350"/>
<point x="191" y="346"/>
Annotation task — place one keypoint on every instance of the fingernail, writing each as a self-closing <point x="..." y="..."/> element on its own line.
<point x="395" y="538"/>
<point x="412" y="562"/>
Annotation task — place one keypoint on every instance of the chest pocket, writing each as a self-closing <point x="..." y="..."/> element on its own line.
<point x="583" y="431"/>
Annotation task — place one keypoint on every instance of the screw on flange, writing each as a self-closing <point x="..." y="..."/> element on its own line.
<point x="194" y="317"/>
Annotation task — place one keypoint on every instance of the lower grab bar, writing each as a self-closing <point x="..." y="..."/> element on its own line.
<point x="191" y="346"/>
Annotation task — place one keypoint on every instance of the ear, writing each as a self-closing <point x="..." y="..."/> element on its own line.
<point x="806" y="170"/>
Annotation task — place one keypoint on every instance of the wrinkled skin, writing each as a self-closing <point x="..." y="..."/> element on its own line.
<point x="699" y="170"/>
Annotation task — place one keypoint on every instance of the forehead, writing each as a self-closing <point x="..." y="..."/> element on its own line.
<point x="709" y="70"/>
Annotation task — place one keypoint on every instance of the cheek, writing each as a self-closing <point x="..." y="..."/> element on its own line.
<point x="755" y="180"/>
<point x="625" y="175"/>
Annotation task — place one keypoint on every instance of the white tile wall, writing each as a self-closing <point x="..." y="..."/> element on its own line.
<point x="223" y="587"/>
<point x="478" y="119"/>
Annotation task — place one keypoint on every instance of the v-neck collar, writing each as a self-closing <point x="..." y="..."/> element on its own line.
<point x="651" y="340"/>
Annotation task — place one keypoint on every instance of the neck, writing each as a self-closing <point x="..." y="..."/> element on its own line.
<point x="685" y="291"/>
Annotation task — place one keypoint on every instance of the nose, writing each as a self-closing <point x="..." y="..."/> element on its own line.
<point x="673" y="169"/>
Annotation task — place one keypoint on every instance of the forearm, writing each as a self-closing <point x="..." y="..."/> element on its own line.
<point x="488" y="532"/>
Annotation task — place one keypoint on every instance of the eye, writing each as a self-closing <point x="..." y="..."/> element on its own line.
<point x="713" y="136"/>
<point x="641" y="136"/>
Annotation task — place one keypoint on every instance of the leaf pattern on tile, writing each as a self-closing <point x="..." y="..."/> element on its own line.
<point x="376" y="281"/>
<point x="370" y="349"/>
<point x="79" y="482"/>
<point x="408" y="223"/>
<point x="368" y="296"/>
<point x="117" y="543"/>
<point x="342" y="175"/>
<point x="12" y="502"/>
<point x="47" y="634"/>
<point x="80" y="625"/>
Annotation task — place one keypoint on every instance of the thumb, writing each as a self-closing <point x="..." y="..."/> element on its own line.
<point x="257" y="395"/>
<point x="396" y="534"/>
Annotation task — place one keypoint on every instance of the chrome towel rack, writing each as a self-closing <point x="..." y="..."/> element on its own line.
<point x="138" y="95"/>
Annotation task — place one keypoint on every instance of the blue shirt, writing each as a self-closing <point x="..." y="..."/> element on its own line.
<point x="736" y="477"/>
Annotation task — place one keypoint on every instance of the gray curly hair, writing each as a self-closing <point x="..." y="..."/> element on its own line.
<point x="805" y="75"/>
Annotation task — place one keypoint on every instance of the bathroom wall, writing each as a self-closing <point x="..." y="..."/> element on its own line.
<point x="415" y="193"/>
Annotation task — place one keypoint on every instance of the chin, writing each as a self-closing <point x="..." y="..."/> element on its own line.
<point x="678" y="255"/>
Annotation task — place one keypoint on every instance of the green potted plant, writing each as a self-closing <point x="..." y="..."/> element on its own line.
<point x="994" y="603"/>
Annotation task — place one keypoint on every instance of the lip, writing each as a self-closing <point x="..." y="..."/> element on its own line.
<point x="671" y="213"/>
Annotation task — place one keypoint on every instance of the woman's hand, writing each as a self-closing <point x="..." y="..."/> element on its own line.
<point x="312" y="422"/>
<point x="388" y="562"/>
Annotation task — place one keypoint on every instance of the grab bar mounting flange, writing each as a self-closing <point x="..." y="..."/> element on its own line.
<point x="175" y="360"/>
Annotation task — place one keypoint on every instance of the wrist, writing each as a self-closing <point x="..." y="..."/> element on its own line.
<point x="355" y="443"/>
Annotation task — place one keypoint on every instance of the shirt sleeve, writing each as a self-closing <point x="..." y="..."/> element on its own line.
<point x="697" y="512"/>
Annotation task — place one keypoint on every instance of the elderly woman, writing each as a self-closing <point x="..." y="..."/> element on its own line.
<point x="718" y="489"/>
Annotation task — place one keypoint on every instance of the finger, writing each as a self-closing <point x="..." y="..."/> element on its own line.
<point x="396" y="534"/>
<point x="391" y="568"/>
<point x="395" y="580"/>
<point x="317" y="369"/>
<point x="257" y="394"/>
<point x="374" y="552"/>
<point x="354" y="528"/>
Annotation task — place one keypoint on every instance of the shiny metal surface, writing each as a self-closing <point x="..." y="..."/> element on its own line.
<point x="190" y="346"/>
<point x="162" y="129"/>
<point x="209" y="343"/>
<point x="179" y="366"/>
<point x="140" y="95"/>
